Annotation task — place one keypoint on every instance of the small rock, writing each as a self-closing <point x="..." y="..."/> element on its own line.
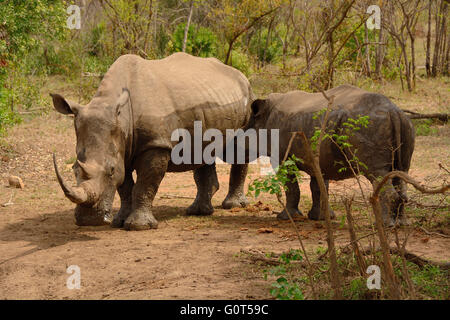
<point x="318" y="225"/>
<point x="425" y="240"/>
<point x="265" y="230"/>
<point x="16" y="182"/>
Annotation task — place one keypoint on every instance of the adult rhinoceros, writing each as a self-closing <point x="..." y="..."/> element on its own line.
<point x="128" y="126"/>
<point x="386" y="144"/>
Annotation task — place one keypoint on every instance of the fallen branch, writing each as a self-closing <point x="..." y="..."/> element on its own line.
<point x="414" y="183"/>
<point x="174" y="196"/>
<point x="415" y="115"/>
<point x="9" y="203"/>
<point x="412" y="257"/>
<point x="433" y="233"/>
<point x="259" y="257"/>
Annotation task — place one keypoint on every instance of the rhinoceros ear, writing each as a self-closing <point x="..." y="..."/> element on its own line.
<point x="122" y="101"/>
<point x="257" y="106"/>
<point x="63" y="106"/>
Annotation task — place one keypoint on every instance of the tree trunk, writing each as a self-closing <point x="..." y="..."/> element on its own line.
<point x="186" y="28"/>
<point x="407" y="66"/>
<point x="440" y="19"/>
<point x="269" y="33"/>
<point x="428" y="53"/>
<point x="380" y="53"/>
<point x="228" y="56"/>
<point x="366" y="39"/>
<point x="330" y="73"/>
<point x="413" y="62"/>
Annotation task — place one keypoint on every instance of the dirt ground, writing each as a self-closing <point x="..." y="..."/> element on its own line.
<point x="185" y="258"/>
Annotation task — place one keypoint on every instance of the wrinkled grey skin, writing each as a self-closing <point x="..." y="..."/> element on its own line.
<point x="386" y="145"/>
<point x="127" y="127"/>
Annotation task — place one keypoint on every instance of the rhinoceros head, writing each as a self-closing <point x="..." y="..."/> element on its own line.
<point x="101" y="133"/>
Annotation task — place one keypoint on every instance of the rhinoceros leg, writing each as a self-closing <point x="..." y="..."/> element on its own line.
<point x="207" y="185"/>
<point x="399" y="207"/>
<point x="150" y="169"/>
<point x="125" y="193"/>
<point x="314" y="213"/>
<point x="292" y="200"/>
<point x="236" y="196"/>
<point x="390" y="201"/>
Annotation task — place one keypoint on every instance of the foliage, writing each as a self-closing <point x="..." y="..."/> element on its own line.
<point x="425" y="127"/>
<point x="27" y="25"/>
<point x="242" y="62"/>
<point x="432" y="281"/>
<point x="275" y="182"/>
<point x="342" y="138"/>
<point x="201" y="41"/>
<point x="285" y="288"/>
<point x="269" y="54"/>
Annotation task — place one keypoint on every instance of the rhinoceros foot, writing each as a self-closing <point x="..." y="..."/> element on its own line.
<point x="295" y="213"/>
<point x="200" y="209"/>
<point x="235" y="201"/>
<point x="403" y="220"/>
<point x="314" y="214"/>
<point x="140" y="220"/>
<point x="119" y="219"/>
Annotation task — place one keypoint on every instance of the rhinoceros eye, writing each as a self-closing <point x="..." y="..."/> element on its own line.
<point x="111" y="170"/>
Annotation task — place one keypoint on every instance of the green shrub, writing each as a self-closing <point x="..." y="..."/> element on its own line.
<point x="241" y="61"/>
<point x="425" y="128"/>
<point x="200" y="42"/>
<point x="274" y="49"/>
<point x="7" y="117"/>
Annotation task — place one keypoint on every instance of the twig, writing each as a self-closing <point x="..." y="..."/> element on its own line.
<point x="274" y="262"/>
<point x="174" y="196"/>
<point x="412" y="257"/>
<point x="415" y="115"/>
<point x="359" y="258"/>
<point x="430" y="233"/>
<point x="9" y="203"/>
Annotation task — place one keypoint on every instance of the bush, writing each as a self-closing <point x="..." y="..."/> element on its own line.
<point x="424" y="127"/>
<point x="200" y="42"/>
<point x="241" y="62"/>
<point x="7" y="117"/>
<point x="274" y="49"/>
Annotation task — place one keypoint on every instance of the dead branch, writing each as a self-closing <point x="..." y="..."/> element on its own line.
<point x="174" y="196"/>
<point x="430" y="233"/>
<point x="351" y="229"/>
<point x="412" y="257"/>
<point x="415" y="115"/>
<point x="405" y="177"/>
<point x="259" y="257"/>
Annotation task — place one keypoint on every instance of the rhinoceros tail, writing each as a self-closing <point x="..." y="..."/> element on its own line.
<point x="403" y="140"/>
<point x="408" y="141"/>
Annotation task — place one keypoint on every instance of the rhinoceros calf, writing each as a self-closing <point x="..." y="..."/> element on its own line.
<point x="386" y="144"/>
<point x="128" y="126"/>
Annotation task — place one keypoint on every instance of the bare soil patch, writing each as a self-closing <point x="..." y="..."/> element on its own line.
<point x="185" y="258"/>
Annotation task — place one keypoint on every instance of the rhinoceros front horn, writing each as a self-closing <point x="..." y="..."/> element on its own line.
<point x="77" y="195"/>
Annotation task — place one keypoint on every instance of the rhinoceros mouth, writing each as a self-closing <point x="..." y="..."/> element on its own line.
<point x="85" y="216"/>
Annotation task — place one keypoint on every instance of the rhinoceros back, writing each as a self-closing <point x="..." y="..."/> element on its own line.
<point x="174" y="92"/>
